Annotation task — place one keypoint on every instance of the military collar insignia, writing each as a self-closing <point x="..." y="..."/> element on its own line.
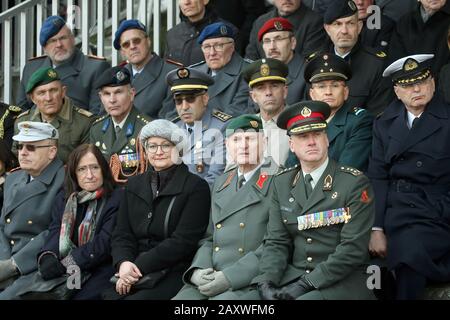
<point x="106" y="125"/>
<point x="228" y="180"/>
<point x="130" y="130"/>
<point x="328" y="183"/>
<point x="262" y="179"/>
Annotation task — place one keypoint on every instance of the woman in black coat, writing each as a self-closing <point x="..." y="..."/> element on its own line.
<point x="161" y="219"/>
<point x="83" y="219"/>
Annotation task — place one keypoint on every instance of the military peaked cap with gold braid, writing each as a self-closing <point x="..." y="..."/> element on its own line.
<point x="410" y="69"/>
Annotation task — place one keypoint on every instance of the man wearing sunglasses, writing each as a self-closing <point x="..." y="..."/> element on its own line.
<point x="29" y="196"/>
<point x="77" y="70"/>
<point x="147" y="69"/>
<point x="205" y="126"/>
<point x="117" y="132"/>
<point x="51" y="105"/>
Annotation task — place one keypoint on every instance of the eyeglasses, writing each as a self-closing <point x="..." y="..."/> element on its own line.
<point x="32" y="147"/>
<point x="153" y="148"/>
<point x="189" y="98"/>
<point x="55" y="40"/>
<point x="275" y="40"/>
<point x="323" y="87"/>
<point x="218" y="47"/>
<point x="83" y="170"/>
<point x="137" y="41"/>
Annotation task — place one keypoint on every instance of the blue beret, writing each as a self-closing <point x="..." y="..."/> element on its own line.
<point x="216" y="30"/>
<point x="126" y="25"/>
<point x="50" y="27"/>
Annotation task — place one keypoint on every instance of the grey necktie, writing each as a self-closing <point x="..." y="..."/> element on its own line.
<point x="117" y="129"/>
<point x="308" y="186"/>
<point x="241" y="181"/>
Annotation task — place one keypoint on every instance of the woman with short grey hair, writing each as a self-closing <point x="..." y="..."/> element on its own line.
<point x="162" y="217"/>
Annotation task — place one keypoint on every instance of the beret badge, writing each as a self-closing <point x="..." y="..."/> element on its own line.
<point x="352" y="5"/>
<point x="120" y="75"/>
<point x="254" y="124"/>
<point x="278" y="26"/>
<point x="51" y="74"/>
<point x="223" y="30"/>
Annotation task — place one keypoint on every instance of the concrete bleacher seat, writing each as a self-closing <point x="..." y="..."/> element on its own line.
<point x="438" y="292"/>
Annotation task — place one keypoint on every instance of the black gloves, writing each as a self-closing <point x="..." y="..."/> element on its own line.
<point x="295" y="289"/>
<point x="50" y="267"/>
<point x="267" y="290"/>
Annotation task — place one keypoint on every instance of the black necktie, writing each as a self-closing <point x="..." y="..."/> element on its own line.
<point x="414" y="123"/>
<point x="241" y="181"/>
<point x="190" y="130"/>
<point x="308" y="186"/>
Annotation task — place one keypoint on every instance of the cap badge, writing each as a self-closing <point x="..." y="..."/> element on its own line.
<point x="264" y="70"/>
<point x="120" y="75"/>
<point x="278" y="26"/>
<point x="352" y="5"/>
<point x="306" y="112"/>
<point x="410" y="64"/>
<point x="254" y="124"/>
<point x="183" y="73"/>
<point x="51" y="74"/>
<point x="223" y="30"/>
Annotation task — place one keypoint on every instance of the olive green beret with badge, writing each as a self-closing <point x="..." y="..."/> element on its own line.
<point x="266" y="69"/>
<point x="245" y="122"/>
<point x="40" y="77"/>
<point x="304" y="116"/>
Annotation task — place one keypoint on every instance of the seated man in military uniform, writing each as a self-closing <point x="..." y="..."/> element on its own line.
<point x="52" y="105"/>
<point x="205" y="127"/>
<point x="228" y="258"/>
<point x="27" y="210"/>
<point x="76" y="70"/>
<point x="320" y="219"/>
<point x="349" y="127"/>
<point x="115" y="134"/>
<point x="278" y="42"/>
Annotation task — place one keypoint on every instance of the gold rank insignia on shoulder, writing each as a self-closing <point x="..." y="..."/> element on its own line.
<point x="14" y="109"/>
<point x="221" y="115"/>
<point x="381" y="54"/>
<point x="352" y="171"/>
<point x="324" y="218"/>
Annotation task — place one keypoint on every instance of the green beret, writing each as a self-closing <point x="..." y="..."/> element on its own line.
<point x="40" y="77"/>
<point x="244" y="122"/>
<point x="265" y="70"/>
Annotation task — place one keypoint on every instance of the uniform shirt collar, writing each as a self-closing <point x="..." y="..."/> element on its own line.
<point x="317" y="173"/>
<point x="410" y="118"/>
<point x="339" y="55"/>
<point x="249" y="175"/>
<point x="122" y="123"/>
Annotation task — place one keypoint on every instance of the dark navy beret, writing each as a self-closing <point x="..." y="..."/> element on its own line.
<point x="126" y="25"/>
<point x="50" y="27"/>
<point x="217" y="30"/>
<point x="339" y="9"/>
<point x="113" y="77"/>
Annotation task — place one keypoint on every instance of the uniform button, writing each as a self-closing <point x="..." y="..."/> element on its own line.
<point x="12" y="242"/>
<point x="419" y="164"/>
<point x="402" y="159"/>
<point x="8" y="220"/>
<point x="241" y="250"/>
<point x="285" y="220"/>
<point x="309" y="259"/>
<point x="291" y="199"/>
<point x="242" y="225"/>
<point x="31" y="239"/>
<point x="309" y="240"/>
<point x="216" y="249"/>
<point x="30" y="222"/>
<point x="218" y="226"/>
<point x="91" y="256"/>
<point x="308" y="271"/>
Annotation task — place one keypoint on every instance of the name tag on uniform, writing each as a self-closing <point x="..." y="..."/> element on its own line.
<point x="323" y="218"/>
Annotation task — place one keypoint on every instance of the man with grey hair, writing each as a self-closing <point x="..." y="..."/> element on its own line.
<point x="77" y="70"/>
<point x="26" y="213"/>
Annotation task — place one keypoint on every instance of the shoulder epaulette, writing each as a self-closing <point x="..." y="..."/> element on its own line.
<point x="100" y="119"/>
<point x="142" y="118"/>
<point x="287" y="170"/>
<point x="38" y="57"/>
<point x="95" y="57"/>
<point x="358" y="110"/>
<point x="84" y="112"/>
<point x="23" y="114"/>
<point x="197" y="64"/>
<point x="375" y="52"/>
<point x="170" y="61"/>
<point x="222" y="116"/>
<point x="14" y="169"/>
<point x="248" y="60"/>
<point x="351" y="170"/>
<point x="15" y="109"/>
<point x="176" y="119"/>
<point x="311" y="56"/>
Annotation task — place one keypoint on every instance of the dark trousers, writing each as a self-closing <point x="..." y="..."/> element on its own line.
<point x="410" y="284"/>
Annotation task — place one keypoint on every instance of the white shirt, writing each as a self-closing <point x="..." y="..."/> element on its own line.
<point x="411" y="117"/>
<point x="135" y="71"/>
<point x="317" y="173"/>
<point x="342" y="56"/>
<point x="277" y="141"/>
<point x="121" y="124"/>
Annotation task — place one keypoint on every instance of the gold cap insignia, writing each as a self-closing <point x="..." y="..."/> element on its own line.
<point x="306" y="112"/>
<point x="223" y="30"/>
<point x="254" y="124"/>
<point x="410" y="64"/>
<point x="183" y="73"/>
<point x="278" y="26"/>
<point x="51" y="74"/>
<point x="264" y="70"/>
